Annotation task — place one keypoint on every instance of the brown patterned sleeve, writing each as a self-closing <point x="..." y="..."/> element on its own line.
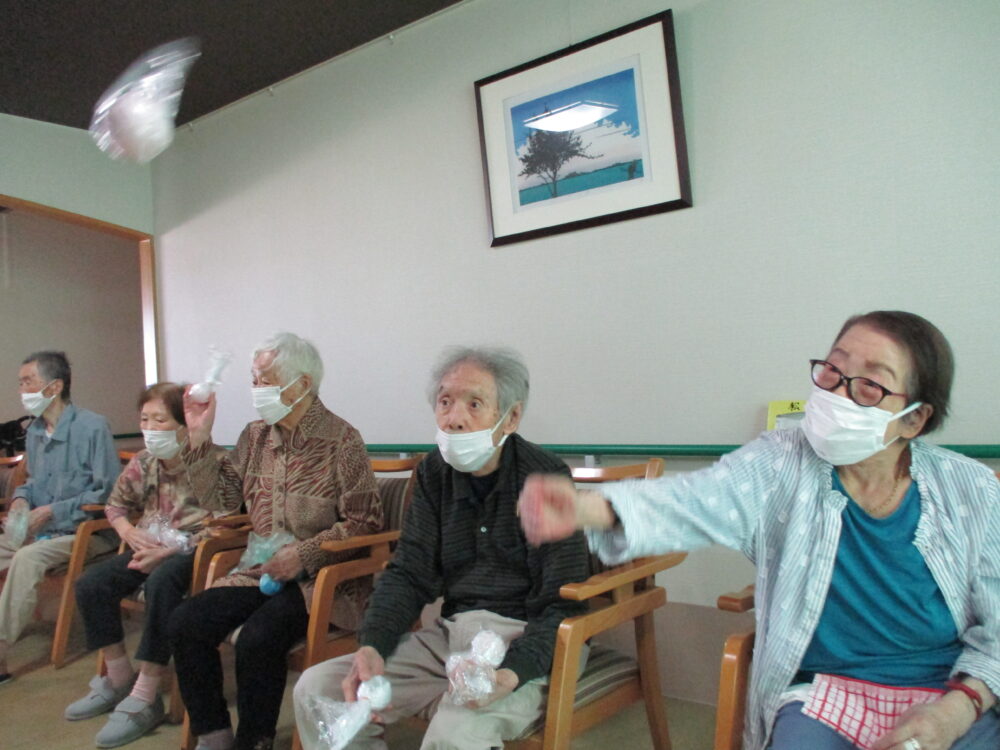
<point x="215" y="475"/>
<point x="126" y="495"/>
<point x="358" y="505"/>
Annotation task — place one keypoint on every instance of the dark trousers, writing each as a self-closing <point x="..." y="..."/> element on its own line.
<point x="271" y="626"/>
<point x="99" y="592"/>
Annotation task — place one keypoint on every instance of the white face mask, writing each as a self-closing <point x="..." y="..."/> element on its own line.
<point x="842" y="432"/>
<point x="267" y="401"/>
<point x="469" y="451"/>
<point x="162" y="443"/>
<point x="36" y="403"/>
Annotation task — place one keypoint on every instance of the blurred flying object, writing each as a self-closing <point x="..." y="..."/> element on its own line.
<point x="134" y="119"/>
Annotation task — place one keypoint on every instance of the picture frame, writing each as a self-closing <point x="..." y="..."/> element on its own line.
<point x="585" y="136"/>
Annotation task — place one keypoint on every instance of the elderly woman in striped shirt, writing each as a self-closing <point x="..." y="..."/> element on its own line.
<point x="877" y="554"/>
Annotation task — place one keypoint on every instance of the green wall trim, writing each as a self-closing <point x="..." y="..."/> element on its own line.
<point x="976" y="451"/>
<point x="600" y="449"/>
<point x="671" y="451"/>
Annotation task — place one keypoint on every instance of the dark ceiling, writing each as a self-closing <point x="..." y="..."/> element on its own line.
<point x="58" y="56"/>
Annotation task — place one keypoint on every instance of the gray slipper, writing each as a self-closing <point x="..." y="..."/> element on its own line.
<point x="101" y="699"/>
<point x="131" y="719"/>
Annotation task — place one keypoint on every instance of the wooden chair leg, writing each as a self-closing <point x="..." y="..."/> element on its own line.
<point x="187" y="738"/>
<point x="734" y="674"/>
<point x="67" y="603"/>
<point x="177" y="711"/>
<point x="649" y="675"/>
<point x="562" y="688"/>
<point x="60" y="641"/>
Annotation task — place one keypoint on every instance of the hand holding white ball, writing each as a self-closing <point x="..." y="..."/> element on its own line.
<point x="202" y="391"/>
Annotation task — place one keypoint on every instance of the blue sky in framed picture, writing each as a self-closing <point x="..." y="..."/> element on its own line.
<point x="578" y="139"/>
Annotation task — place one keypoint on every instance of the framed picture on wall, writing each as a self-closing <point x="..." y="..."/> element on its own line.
<point x="585" y="136"/>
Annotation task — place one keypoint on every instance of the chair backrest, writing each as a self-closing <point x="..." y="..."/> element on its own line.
<point x="13" y="471"/>
<point x="395" y="492"/>
<point x="617" y="595"/>
<point x="651" y="469"/>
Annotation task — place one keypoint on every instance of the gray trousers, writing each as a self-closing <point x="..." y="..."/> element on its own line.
<point x="420" y="687"/>
<point x="26" y="567"/>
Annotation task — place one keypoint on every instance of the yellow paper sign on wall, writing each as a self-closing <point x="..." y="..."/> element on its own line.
<point x="785" y="414"/>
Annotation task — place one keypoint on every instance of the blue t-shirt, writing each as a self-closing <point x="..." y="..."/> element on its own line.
<point x="885" y="619"/>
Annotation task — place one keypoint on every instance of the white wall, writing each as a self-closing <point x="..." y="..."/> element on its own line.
<point x="843" y="159"/>
<point x="61" y="167"/>
<point x="72" y="289"/>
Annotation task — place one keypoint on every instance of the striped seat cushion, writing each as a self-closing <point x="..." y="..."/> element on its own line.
<point x="392" y="491"/>
<point x="606" y="670"/>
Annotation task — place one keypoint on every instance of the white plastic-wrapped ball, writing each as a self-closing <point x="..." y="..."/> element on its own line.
<point x="376" y="691"/>
<point x="201" y="392"/>
<point x="141" y="125"/>
<point x="488" y="648"/>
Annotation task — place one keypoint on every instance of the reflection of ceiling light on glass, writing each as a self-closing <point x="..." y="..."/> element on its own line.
<point x="572" y="116"/>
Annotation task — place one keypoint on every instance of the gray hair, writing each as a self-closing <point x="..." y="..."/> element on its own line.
<point x="293" y="356"/>
<point x="52" y="366"/>
<point x="505" y="365"/>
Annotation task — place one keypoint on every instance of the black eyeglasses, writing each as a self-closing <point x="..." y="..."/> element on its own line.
<point x="863" y="391"/>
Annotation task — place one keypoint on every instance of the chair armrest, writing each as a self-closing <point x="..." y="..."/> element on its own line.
<point x="363" y="540"/>
<point x="205" y="552"/>
<point x="87" y="528"/>
<point x="620" y="575"/>
<point x="92" y="508"/>
<point x="228" y="527"/>
<point x="331" y="576"/>
<point x="737" y="601"/>
<point x="609" y="615"/>
<point x="240" y="519"/>
<point x="81" y="542"/>
<point x="221" y="564"/>
<point x="225" y="532"/>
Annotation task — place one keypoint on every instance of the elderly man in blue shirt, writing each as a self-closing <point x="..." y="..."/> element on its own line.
<point x="72" y="462"/>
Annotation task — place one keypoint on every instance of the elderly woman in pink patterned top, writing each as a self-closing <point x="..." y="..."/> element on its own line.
<point x="157" y="486"/>
<point x="302" y="470"/>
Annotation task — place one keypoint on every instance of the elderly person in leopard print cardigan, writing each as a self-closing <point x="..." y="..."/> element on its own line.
<point x="301" y="469"/>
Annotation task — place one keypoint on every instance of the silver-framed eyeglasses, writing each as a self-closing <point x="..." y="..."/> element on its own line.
<point x="863" y="391"/>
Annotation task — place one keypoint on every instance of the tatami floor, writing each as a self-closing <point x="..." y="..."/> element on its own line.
<point x="31" y="708"/>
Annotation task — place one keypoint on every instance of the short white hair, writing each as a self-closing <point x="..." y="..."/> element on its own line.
<point x="293" y="356"/>
<point x="505" y="365"/>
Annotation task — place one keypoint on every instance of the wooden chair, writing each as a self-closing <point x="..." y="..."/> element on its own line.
<point x="734" y="675"/>
<point x="611" y="680"/>
<point x="652" y="469"/>
<point x="78" y="558"/>
<point x="323" y="641"/>
<point x="68" y="575"/>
